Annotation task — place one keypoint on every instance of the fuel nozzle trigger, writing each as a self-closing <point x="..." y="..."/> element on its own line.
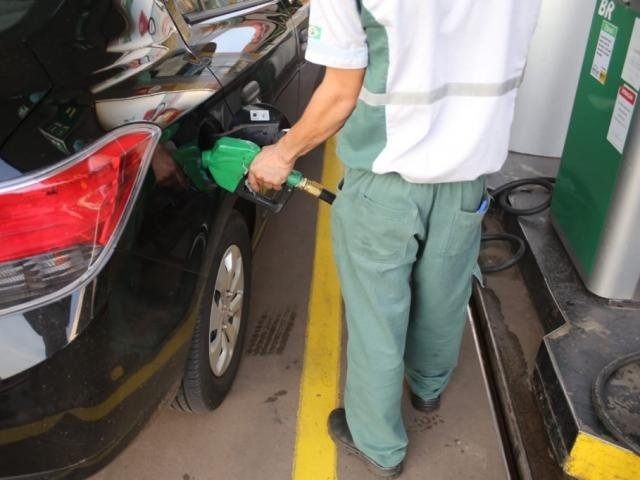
<point x="275" y="203"/>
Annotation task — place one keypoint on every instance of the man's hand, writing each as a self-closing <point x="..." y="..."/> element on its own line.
<point x="328" y="109"/>
<point x="270" y="168"/>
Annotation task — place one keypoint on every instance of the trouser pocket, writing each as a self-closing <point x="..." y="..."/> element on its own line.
<point x="374" y="220"/>
<point x="464" y="233"/>
<point x="379" y="233"/>
<point x="457" y="217"/>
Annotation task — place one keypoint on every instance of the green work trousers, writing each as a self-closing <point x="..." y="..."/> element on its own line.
<point x="406" y="254"/>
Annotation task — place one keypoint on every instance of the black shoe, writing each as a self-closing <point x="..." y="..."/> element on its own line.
<point x="425" y="406"/>
<point x="339" y="431"/>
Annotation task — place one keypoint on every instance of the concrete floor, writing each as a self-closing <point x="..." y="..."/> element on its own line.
<point x="252" y="435"/>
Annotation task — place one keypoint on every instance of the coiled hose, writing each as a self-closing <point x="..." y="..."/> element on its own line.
<point x="600" y="404"/>
<point x="500" y="197"/>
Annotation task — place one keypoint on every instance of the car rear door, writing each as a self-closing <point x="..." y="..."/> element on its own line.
<point x="251" y="46"/>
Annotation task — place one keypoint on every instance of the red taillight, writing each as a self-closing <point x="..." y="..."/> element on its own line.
<point x="55" y="225"/>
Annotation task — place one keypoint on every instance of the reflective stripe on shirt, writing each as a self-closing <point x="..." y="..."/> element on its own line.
<point x="448" y="90"/>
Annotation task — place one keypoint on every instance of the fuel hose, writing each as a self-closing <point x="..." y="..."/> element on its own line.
<point x="314" y="189"/>
<point x="599" y="400"/>
<point x="501" y="198"/>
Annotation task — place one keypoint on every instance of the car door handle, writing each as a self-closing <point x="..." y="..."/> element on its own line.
<point x="250" y="93"/>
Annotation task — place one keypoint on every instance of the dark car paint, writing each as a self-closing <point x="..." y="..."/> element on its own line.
<point x="115" y="349"/>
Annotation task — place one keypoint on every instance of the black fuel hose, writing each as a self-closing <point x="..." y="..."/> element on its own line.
<point x="327" y="196"/>
<point x="502" y="193"/>
<point x="316" y="190"/>
<point x="504" y="237"/>
<point x="500" y="198"/>
<point x="600" y="403"/>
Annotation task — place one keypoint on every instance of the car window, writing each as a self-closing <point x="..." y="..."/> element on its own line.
<point x="195" y="10"/>
<point x="213" y="4"/>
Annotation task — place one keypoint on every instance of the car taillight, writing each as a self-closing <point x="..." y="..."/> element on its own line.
<point x="59" y="225"/>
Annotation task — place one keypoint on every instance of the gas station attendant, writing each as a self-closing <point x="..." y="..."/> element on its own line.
<point x="424" y="95"/>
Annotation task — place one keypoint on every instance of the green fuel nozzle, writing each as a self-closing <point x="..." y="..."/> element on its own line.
<point x="228" y="163"/>
<point x="229" y="160"/>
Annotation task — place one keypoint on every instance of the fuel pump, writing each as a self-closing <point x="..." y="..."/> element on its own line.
<point x="596" y="205"/>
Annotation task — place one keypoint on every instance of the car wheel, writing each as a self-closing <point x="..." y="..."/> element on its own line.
<point x="218" y="339"/>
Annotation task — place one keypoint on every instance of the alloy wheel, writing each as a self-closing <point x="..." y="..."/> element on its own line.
<point x="226" y="310"/>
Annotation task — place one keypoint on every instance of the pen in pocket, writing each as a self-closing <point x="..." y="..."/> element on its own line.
<point x="484" y="206"/>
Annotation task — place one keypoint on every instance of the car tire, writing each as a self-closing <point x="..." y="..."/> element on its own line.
<point x="218" y="338"/>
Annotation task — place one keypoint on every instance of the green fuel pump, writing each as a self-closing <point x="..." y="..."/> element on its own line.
<point x="596" y="204"/>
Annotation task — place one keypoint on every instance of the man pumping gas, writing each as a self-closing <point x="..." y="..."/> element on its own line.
<point x="423" y="93"/>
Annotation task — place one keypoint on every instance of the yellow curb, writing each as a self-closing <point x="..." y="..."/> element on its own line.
<point x="592" y="458"/>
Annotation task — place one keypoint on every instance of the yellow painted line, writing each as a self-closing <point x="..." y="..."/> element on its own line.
<point x="315" y="455"/>
<point x="594" y="459"/>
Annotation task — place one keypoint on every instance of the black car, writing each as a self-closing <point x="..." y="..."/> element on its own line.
<point x="125" y="274"/>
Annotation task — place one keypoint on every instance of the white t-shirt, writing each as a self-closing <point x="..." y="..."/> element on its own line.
<point x="442" y="76"/>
